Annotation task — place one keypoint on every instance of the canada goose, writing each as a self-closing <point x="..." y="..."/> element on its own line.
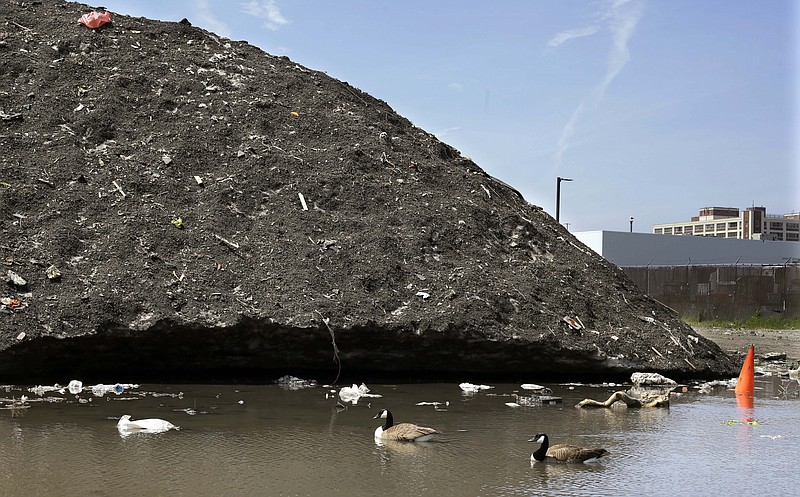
<point x="563" y="452"/>
<point x="146" y="425"/>
<point x="403" y="432"/>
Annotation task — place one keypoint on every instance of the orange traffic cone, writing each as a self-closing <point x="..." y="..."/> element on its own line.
<point x="745" y="388"/>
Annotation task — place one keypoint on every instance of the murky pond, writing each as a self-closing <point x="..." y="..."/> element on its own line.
<point x="268" y="440"/>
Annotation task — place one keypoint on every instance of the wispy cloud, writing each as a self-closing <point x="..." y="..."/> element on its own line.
<point x="623" y="18"/>
<point x="566" y="134"/>
<point x="565" y="36"/>
<point x="447" y="131"/>
<point x="620" y="18"/>
<point x="268" y="11"/>
<point x="456" y="86"/>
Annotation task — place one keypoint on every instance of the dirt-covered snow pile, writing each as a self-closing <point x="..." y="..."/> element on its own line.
<point x="182" y="205"/>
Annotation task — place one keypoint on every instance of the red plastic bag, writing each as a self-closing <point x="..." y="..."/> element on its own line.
<point x="94" y="20"/>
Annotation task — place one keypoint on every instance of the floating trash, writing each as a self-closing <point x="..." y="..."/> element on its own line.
<point x="75" y="387"/>
<point x="715" y="385"/>
<point x="355" y="392"/>
<point x="750" y="422"/>
<point x="470" y="388"/>
<point x="100" y="389"/>
<point x="178" y="395"/>
<point x="15" y="404"/>
<point x="437" y="406"/>
<point x="40" y="390"/>
<point x="127" y="427"/>
<point x="537" y="400"/>
<point x="289" y="382"/>
<point x="190" y="411"/>
<point x="539" y="389"/>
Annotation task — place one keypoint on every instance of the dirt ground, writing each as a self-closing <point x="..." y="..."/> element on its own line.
<point x="765" y="341"/>
<point x="155" y="176"/>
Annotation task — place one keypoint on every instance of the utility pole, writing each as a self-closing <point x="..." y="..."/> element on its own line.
<point x="559" y="179"/>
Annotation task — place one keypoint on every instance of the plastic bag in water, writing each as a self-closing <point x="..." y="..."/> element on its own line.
<point x="75" y="387"/>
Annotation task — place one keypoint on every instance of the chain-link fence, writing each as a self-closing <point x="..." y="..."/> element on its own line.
<point x="722" y="292"/>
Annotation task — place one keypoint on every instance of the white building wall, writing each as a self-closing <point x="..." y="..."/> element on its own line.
<point x="643" y="249"/>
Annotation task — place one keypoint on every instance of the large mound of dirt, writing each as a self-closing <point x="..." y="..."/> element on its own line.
<point x="179" y="203"/>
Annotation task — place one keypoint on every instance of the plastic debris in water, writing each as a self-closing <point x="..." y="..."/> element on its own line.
<point x="126" y="427"/>
<point x="289" y="382"/>
<point x="100" y="389"/>
<point x="470" y="388"/>
<point x="41" y="390"/>
<point x="536" y="388"/>
<point x="437" y="406"/>
<point x="190" y="411"/>
<point x="352" y="394"/>
<point x="750" y="422"/>
<point x="75" y="387"/>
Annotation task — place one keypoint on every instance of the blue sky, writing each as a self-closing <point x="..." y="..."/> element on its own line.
<point x="654" y="108"/>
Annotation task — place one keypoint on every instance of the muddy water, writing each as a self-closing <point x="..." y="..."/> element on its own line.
<point x="266" y="440"/>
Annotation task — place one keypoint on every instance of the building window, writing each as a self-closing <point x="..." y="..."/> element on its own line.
<point x="678" y="230"/>
<point x="793" y="237"/>
<point x="720" y="226"/>
<point x="687" y="230"/>
<point x="709" y="228"/>
<point x="773" y="226"/>
<point x="792" y="226"/>
<point x="667" y="231"/>
<point x="658" y="231"/>
<point x="698" y="229"/>
<point x="733" y="225"/>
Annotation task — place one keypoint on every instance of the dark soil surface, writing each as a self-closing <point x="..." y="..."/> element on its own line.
<point x="180" y="203"/>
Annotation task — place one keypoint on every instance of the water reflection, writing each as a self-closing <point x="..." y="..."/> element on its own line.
<point x="267" y="439"/>
<point x="586" y="479"/>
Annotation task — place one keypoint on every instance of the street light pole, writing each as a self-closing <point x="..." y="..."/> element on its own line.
<point x="559" y="179"/>
<point x="631" y="224"/>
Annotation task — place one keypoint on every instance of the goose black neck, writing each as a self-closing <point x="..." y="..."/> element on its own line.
<point x="541" y="452"/>
<point x="389" y="421"/>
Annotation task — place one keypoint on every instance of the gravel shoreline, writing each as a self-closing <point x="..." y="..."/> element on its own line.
<point x="765" y="341"/>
